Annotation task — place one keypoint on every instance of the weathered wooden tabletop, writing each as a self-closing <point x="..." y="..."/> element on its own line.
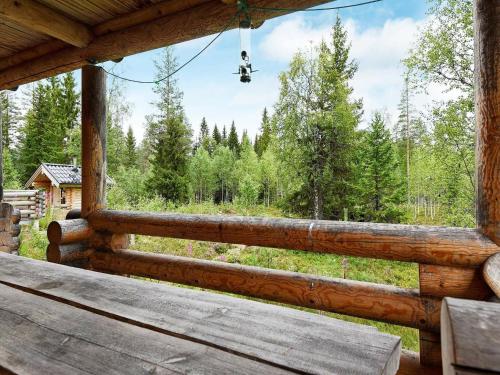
<point x="61" y="320"/>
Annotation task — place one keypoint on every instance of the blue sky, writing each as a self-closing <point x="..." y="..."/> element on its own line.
<point x="381" y="34"/>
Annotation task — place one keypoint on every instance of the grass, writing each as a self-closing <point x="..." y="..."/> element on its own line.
<point x="34" y="243"/>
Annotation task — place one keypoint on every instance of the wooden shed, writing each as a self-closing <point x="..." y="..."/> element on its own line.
<point x="62" y="184"/>
<point x="89" y="319"/>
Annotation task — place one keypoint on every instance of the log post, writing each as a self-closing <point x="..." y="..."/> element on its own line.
<point x="487" y="84"/>
<point x="93" y="139"/>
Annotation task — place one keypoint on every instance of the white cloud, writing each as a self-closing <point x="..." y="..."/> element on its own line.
<point x="378" y="51"/>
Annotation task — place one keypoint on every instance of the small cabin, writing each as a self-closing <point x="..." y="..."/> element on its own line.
<point x="62" y="184"/>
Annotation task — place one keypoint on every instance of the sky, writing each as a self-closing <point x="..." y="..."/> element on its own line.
<point x="381" y="35"/>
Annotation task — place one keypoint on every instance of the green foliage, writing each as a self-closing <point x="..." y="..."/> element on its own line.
<point x="10" y="175"/>
<point x="380" y="184"/>
<point x="223" y="165"/>
<point x="233" y="142"/>
<point x="48" y="124"/>
<point x="202" y="176"/>
<point x="316" y="120"/>
<point x="262" y="142"/>
<point x="10" y="118"/>
<point x="216" y="136"/>
<point x="130" y="150"/>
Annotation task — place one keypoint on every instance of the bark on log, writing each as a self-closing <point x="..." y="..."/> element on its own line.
<point x="109" y="241"/>
<point x="68" y="231"/>
<point x="487" y="89"/>
<point x="409" y="243"/>
<point x="93" y="139"/>
<point x="366" y="300"/>
<point x="68" y="253"/>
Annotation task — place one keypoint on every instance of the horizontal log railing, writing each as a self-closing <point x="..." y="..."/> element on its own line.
<point x="408" y="243"/>
<point x="450" y="261"/>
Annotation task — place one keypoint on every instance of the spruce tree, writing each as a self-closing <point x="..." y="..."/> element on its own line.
<point x="170" y="136"/>
<point x="10" y="118"/>
<point x="380" y="183"/>
<point x="216" y="136"/>
<point x="224" y="136"/>
<point x="232" y="141"/>
<point x="204" y="138"/>
<point x="130" y="151"/>
<point x="262" y="142"/>
<point x="316" y="121"/>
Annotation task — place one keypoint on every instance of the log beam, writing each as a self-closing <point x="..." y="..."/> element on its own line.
<point x="68" y="231"/>
<point x="35" y="16"/>
<point x="409" y="243"/>
<point x="93" y="139"/>
<point x="366" y="300"/>
<point x="491" y="273"/>
<point x="487" y="84"/>
<point x="205" y="19"/>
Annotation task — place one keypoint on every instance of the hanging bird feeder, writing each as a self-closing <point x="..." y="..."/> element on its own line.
<point x="245" y="67"/>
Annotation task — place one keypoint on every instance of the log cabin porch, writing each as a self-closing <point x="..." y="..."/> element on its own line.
<point x="88" y="318"/>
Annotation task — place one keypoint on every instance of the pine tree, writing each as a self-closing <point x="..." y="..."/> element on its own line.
<point x="10" y="175"/>
<point x="380" y="184"/>
<point x="170" y="137"/>
<point x="70" y="110"/>
<point x="216" y="136"/>
<point x="232" y="141"/>
<point x="130" y="151"/>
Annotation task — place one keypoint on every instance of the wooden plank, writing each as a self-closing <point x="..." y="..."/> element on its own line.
<point x="306" y="342"/>
<point x="38" y="17"/>
<point x="206" y="19"/>
<point x="410" y="365"/>
<point x="410" y="243"/>
<point x="470" y="334"/>
<point x="459" y="282"/>
<point x="41" y="336"/>
<point x="487" y="91"/>
<point x="491" y="273"/>
<point x="366" y="300"/>
<point x="93" y="139"/>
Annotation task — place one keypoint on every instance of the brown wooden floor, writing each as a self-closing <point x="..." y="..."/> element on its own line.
<point x="61" y="320"/>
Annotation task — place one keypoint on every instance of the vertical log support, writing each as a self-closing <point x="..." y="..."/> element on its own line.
<point x="487" y="83"/>
<point x="93" y="139"/>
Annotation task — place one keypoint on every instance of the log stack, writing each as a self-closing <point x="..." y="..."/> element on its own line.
<point x="31" y="203"/>
<point x="9" y="228"/>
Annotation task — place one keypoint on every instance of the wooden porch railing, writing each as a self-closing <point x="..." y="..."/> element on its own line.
<point x="449" y="263"/>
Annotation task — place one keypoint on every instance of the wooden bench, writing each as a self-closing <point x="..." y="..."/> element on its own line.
<point x="59" y="320"/>
<point x="470" y="337"/>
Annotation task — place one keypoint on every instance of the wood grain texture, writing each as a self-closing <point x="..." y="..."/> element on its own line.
<point x="68" y="231"/>
<point x="470" y="334"/>
<point x="459" y="282"/>
<point x="487" y="91"/>
<point x="202" y="20"/>
<point x="410" y="243"/>
<point x="68" y="253"/>
<point x="33" y="15"/>
<point x="491" y="273"/>
<point x="410" y="365"/>
<point x="285" y="337"/>
<point x="367" y="300"/>
<point x="93" y="139"/>
<point x="41" y="336"/>
<point x="430" y="348"/>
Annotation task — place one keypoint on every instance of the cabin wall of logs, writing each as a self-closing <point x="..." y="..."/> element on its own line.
<point x="9" y="228"/>
<point x="30" y="203"/>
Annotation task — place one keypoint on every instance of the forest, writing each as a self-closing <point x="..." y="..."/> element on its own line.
<point x="310" y="158"/>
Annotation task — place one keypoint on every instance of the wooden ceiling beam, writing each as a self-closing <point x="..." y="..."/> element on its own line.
<point x="202" y="20"/>
<point x="35" y="16"/>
